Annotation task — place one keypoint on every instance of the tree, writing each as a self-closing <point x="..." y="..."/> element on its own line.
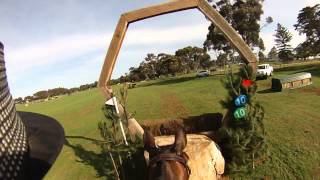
<point x="41" y="94"/>
<point x="18" y="100"/>
<point x="28" y="98"/>
<point x="273" y="54"/>
<point x="309" y="24"/>
<point x="283" y="37"/>
<point x="124" y="157"/>
<point x="303" y="50"/>
<point x="192" y="58"/>
<point x="222" y="59"/>
<point x="262" y="57"/>
<point x="169" y="64"/>
<point x="151" y="60"/>
<point x="269" y="20"/>
<point x="261" y="50"/>
<point x="242" y="140"/>
<point x="244" y="16"/>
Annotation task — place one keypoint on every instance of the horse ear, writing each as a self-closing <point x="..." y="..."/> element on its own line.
<point x="148" y="141"/>
<point x="180" y="141"/>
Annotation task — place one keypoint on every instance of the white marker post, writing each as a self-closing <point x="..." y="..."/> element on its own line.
<point x="114" y="101"/>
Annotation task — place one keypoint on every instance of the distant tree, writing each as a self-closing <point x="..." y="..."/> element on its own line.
<point x="73" y="90"/>
<point x="41" y="94"/>
<point x="193" y="58"/>
<point x="244" y="16"/>
<point x="261" y="50"/>
<point x="136" y="74"/>
<point x="19" y="100"/>
<point x="269" y="20"/>
<point x="303" y="51"/>
<point x="283" y="38"/>
<point x="261" y="45"/>
<point x="94" y="84"/>
<point x="28" y="98"/>
<point x="58" y="91"/>
<point x="151" y="60"/>
<point x="222" y="59"/>
<point x="309" y="24"/>
<point x="122" y="79"/>
<point x="273" y="54"/>
<point x="262" y="57"/>
<point x="168" y="64"/>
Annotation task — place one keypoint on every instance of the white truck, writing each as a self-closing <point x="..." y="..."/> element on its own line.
<point x="264" y="70"/>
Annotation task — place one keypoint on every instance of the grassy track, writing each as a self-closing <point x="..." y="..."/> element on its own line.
<point x="292" y="120"/>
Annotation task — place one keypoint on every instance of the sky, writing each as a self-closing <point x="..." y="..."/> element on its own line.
<point x="63" y="43"/>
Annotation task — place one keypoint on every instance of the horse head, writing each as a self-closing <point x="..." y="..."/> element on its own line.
<point x="167" y="162"/>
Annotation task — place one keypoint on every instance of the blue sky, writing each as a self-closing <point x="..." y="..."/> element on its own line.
<point x="63" y="43"/>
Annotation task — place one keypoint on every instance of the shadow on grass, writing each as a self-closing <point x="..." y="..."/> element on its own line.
<point x="133" y="168"/>
<point x="259" y="78"/>
<point x="267" y="91"/>
<point x="84" y="138"/>
<point x="99" y="161"/>
<point x="169" y="81"/>
<point x="314" y="69"/>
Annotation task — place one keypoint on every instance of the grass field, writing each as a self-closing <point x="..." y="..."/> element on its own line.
<point x="292" y="121"/>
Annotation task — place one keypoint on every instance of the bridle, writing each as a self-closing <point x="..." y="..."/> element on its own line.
<point x="170" y="157"/>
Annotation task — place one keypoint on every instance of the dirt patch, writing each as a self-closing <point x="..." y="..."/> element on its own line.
<point x="191" y="124"/>
<point x="316" y="172"/>
<point x="171" y="106"/>
<point x="88" y="108"/>
<point x="310" y="90"/>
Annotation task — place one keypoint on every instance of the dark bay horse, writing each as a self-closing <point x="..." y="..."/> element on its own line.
<point x="167" y="162"/>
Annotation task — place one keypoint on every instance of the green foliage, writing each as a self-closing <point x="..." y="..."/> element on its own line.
<point x="244" y="16"/>
<point x="243" y="141"/>
<point x="304" y="50"/>
<point x="309" y="24"/>
<point x="184" y="60"/>
<point x="262" y="57"/>
<point x="193" y="58"/>
<point x="114" y="141"/>
<point x="282" y="39"/>
<point x="273" y="54"/>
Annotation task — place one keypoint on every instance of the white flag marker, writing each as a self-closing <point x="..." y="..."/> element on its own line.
<point x="113" y="102"/>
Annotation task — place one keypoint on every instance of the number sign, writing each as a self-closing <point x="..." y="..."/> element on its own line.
<point x="240" y="100"/>
<point x="240" y="113"/>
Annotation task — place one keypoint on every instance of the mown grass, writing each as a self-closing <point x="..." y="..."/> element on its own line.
<point x="292" y="121"/>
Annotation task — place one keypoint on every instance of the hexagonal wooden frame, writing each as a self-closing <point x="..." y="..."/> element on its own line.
<point x="165" y="8"/>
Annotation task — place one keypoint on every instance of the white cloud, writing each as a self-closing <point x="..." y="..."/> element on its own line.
<point x="21" y="60"/>
<point x="71" y="46"/>
<point x="167" y="36"/>
<point x="52" y="51"/>
<point x="311" y="2"/>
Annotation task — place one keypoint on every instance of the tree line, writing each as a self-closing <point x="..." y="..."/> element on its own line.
<point x="52" y="93"/>
<point x="185" y="60"/>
